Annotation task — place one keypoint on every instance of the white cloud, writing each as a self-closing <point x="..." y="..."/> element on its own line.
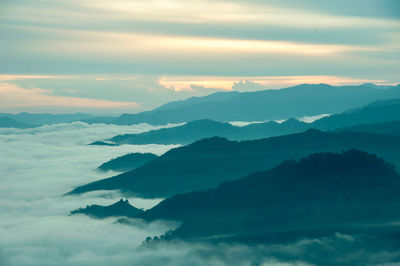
<point x="38" y="165"/>
<point x="249" y="83"/>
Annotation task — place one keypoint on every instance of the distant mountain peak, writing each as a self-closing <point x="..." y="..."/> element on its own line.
<point x="119" y="208"/>
<point x="291" y="121"/>
<point x="127" y="162"/>
<point x="122" y="202"/>
<point x="350" y="159"/>
<point x="262" y="105"/>
<point x="369" y="84"/>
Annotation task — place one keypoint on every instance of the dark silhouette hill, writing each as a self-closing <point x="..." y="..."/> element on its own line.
<point x="6" y="122"/>
<point x="207" y="163"/>
<point x="127" y="162"/>
<point x="298" y="101"/>
<point x="120" y="208"/>
<point x="387" y="128"/>
<point x="103" y="143"/>
<point x="322" y="193"/>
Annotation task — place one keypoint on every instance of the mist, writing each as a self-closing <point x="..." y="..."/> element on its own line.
<point x="37" y="166"/>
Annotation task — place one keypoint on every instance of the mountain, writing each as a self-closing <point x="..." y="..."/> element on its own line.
<point x="298" y="101"/>
<point x="321" y="194"/>
<point x="207" y="163"/>
<point x="214" y="97"/>
<point x="120" y="208"/>
<point x="375" y="112"/>
<point x="103" y="143"/>
<point x="127" y="162"/>
<point x="47" y="119"/>
<point x="205" y="128"/>
<point x="99" y="120"/>
<point x="6" y="122"/>
<point x="387" y="128"/>
<point x="183" y="134"/>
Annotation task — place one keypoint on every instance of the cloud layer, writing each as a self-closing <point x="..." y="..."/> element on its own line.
<point x="38" y="165"/>
<point x="17" y="99"/>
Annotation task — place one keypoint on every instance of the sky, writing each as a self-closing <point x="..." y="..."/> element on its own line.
<point x="110" y="57"/>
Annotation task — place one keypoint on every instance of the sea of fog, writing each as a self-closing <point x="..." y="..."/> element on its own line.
<point x="37" y="166"/>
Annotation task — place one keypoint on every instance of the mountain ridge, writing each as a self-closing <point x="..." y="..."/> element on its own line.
<point x="127" y="162"/>
<point x="300" y="100"/>
<point x="324" y="191"/>
<point x="375" y="112"/>
<point x="119" y="208"/>
<point x="206" y="163"/>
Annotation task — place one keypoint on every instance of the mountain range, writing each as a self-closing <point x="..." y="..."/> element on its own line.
<point x="207" y="163"/>
<point x="324" y="193"/>
<point x="120" y="208"/>
<point x="46" y="118"/>
<point x="7" y="122"/>
<point x="205" y="128"/>
<point x="387" y="128"/>
<point x="376" y="112"/>
<point x="297" y="101"/>
<point x="127" y="162"/>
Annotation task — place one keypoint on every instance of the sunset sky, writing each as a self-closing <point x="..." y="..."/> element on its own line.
<point x="128" y="56"/>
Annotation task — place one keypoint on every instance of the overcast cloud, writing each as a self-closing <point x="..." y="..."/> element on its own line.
<point x="143" y="54"/>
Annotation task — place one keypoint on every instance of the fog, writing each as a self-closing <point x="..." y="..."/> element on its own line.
<point x="37" y="166"/>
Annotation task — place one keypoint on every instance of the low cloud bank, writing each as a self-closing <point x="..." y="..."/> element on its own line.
<point x="38" y="165"/>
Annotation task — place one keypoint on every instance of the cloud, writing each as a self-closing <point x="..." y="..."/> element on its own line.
<point x="130" y="93"/>
<point x="249" y="83"/>
<point x="196" y="83"/>
<point x="8" y="77"/>
<point x="232" y="12"/>
<point x="370" y="8"/>
<point x="108" y="44"/>
<point x="14" y="98"/>
<point x="175" y="37"/>
<point x="147" y="91"/>
<point x="38" y="165"/>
